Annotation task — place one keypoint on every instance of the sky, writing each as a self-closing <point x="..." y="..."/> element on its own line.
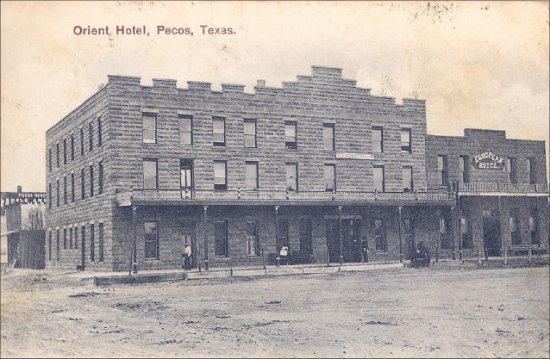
<point x="477" y="64"/>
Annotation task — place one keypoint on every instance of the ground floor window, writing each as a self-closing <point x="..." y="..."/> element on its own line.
<point x="76" y="237"/>
<point x="220" y="238"/>
<point x="533" y="226"/>
<point x="282" y="233"/>
<point x="151" y="240"/>
<point x="444" y="235"/>
<point x="92" y="243"/>
<point x="252" y="243"/>
<point x="380" y="235"/>
<point x="466" y="234"/>
<point x="101" y="245"/>
<point x="50" y="245"/>
<point x="57" y="246"/>
<point x="514" y="228"/>
<point x="64" y="238"/>
<point x="71" y="237"/>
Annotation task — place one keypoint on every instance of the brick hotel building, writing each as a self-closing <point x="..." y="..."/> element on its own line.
<point x="136" y="172"/>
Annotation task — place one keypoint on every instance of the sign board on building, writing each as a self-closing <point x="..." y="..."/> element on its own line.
<point x="488" y="161"/>
<point x="353" y="156"/>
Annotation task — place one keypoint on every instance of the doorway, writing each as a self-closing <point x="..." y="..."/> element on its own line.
<point x="351" y="239"/>
<point x="491" y="236"/>
<point x="187" y="237"/>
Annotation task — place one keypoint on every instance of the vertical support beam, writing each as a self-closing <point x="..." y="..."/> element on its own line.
<point x="340" y="235"/>
<point x="134" y="244"/>
<point x="460" y="215"/>
<point x="400" y="219"/>
<point x="277" y="244"/>
<point x="452" y="223"/>
<point x="205" y="227"/>
<point x="438" y="241"/>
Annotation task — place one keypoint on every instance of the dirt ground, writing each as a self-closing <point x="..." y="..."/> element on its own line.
<point x="405" y="312"/>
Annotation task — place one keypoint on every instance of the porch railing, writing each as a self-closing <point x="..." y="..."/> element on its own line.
<point x="502" y="187"/>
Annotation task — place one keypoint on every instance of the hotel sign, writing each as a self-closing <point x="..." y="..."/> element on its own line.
<point x="354" y="156"/>
<point x="488" y="161"/>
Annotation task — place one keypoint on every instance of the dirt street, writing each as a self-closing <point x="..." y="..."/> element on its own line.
<point x="405" y="312"/>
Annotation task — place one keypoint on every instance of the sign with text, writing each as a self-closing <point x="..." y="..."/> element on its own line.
<point x="354" y="156"/>
<point x="488" y="161"/>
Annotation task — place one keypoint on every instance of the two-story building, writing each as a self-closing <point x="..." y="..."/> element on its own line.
<point x="324" y="167"/>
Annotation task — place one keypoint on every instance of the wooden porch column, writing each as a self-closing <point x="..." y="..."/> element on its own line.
<point x="400" y="219"/>
<point x="205" y="227"/>
<point x="453" y="231"/>
<point x="277" y="249"/>
<point x="134" y="244"/>
<point x="340" y="234"/>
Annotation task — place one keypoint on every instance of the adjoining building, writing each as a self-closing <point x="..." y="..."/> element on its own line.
<point x="324" y="167"/>
<point x="23" y="229"/>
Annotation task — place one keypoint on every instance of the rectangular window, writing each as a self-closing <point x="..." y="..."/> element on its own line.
<point x="251" y="176"/>
<point x="328" y="136"/>
<point x="444" y="235"/>
<point x="252" y="243"/>
<point x="292" y="177"/>
<point x="220" y="175"/>
<point x="534" y="226"/>
<point x="380" y="236"/>
<point x="64" y="151"/>
<point x="50" y="195"/>
<point x="71" y="238"/>
<point x="330" y="178"/>
<point x="220" y="238"/>
<point x="378" y="178"/>
<point x="83" y="236"/>
<point x="99" y="132"/>
<point x="512" y="168"/>
<point x="91" y="181"/>
<point x="82" y="184"/>
<point x="531" y="170"/>
<point x="76" y="237"/>
<point x="377" y="139"/>
<point x="50" y="159"/>
<point x="65" y="199"/>
<point x="250" y="133"/>
<point x="407" y="179"/>
<point x="151" y="240"/>
<point x="57" y="246"/>
<point x="49" y="245"/>
<point x="291" y="135"/>
<point x="57" y="153"/>
<point x="150" y="174"/>
<point x="57" y="190"/>
<point x="442" y="170"/>
<point x="101" y="244"/>
<point x="91" y="136"/>
<point x="100" y="179"/>
<point x="186" y="130"/>
<point x="64" y="238"/>
<point x="72" y="187"/>
<point x="464" y="166"/>
<point x="72" y="147"/>
<point x="82" y="142"/>
<point x="92" y="243"/>
<point x="218" y="131"/>
<point x="514" y="227"/>
<point x="149" y="128"/>
<point x="466" y="234"/>
<point x="406" y="140"/>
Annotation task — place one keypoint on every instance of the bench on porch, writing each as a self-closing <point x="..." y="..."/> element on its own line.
<point x="524" y="249"/>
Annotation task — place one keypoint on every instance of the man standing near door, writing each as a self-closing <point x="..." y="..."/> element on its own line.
<point x="187" y="257"/>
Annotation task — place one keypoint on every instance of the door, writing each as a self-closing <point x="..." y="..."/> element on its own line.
<point x="306" y="246"/>
<point x="491" y="235"/>
<point x="186" y="178"/>
<point x="408" y="236"/>
<point x="351" y="240"/>
<point x="333" y="245"/>
<point x="187" y="237"/>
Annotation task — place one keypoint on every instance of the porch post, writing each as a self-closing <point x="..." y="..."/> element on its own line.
<point x="205" y="227"/>
<point x="453" y="231"/>
<point x="277" y="249"/>
<point x="400" y="218"/>
<point x="340" y="234"/>
<point x="460" y="215"/>
<point x="134" y="244"/>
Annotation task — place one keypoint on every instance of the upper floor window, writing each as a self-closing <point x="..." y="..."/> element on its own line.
<point x="512" y="168"/>
<point x="150" y="174"/>
<point x="407" y="179"/>
<point x="406" y="140"/>
<point x="72" y="147"/>
<point x="531" y="170"/>
<point x="82" y="184"/>
<point x="65" y="190"/>
<point x="57" y="153"/>
<point x="64" y="151"/>
<point x="149" y="128"/>
<point x="220" y="175"/>
<point x="72" y="187"/>
<point x="464" y="166"/>
<point x="328" y="136"/>
<point x="82" y="142"/>
<point x="91" y="181"/>
<point x="99" y="132"/>
<point x="291" y="135"/>
<point x="378" y="178"/>
<point x="57" y="192"/>
<point x="442" y="170"/>
<point x="330" y="178"/>
<point x="292" y="177"/>
<point x="250" y="133"/>
<point x="91" y="136"/>
<point x="377" y="139"/>
<point x="100" y="178"/>
<point x="186" y="130"/>
<point x="50" y="195"/>
<point x="50" y="159"/>
<point x="251" y="175"/>
<point x="218" y="131"/>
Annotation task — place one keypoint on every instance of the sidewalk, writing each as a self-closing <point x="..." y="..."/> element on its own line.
<point x="107" y="278"/>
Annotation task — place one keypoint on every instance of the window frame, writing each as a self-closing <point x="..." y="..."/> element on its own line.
<point x="91" y="171"/>
<point x="100" y="178"/>
<point x="82" y="141"/>
<point x="443" y="172"/>
<point x="65" y="200"/>
<point x="332" y="128"/>
<point x="411" y="182"/>
<point x="183" y="134"/>
<point x="99" y="132"/>
<point x="101" y="243"/>
<point x="92" y="242"/>
<point x="375" y="129"/>
<point x="464" y="168"/>
<point x="155" y="240"/>
<point x="144" y="182"/>
<point x="332" y="180"/>
<point x="404" y="147"/>
<point x="224" y="240"/>
<point x="374" y="181"/>
<point x="296" y="175"/>
<point x="291" y="145"/>
<point x="91" y="136"/>
<point x="144" y="130"/>
<point x="252" y="240"/>
<point x="257" y="178"/>
<point x="246" y="135"/>
<point x="220" y="186"/>
<point x="72" y="147"/>
<point x="215" y="142"/>
<point x="82" y="184"/>
<point x="380" y="236"/>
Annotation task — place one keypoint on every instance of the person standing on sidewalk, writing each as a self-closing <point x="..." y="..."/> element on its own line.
<point x="187" y="257"/>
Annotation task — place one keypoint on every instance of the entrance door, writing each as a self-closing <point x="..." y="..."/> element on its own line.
<point x="491" y="235"/>
<point x="333" y="244"/>
<point x="187" y="237"/>
<point x="186" y="178"/>
<point x="351" y="240"/>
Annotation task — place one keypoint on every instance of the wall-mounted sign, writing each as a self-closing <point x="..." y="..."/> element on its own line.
<point x="354" y="156"/>
<point x="488" y="161"/>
